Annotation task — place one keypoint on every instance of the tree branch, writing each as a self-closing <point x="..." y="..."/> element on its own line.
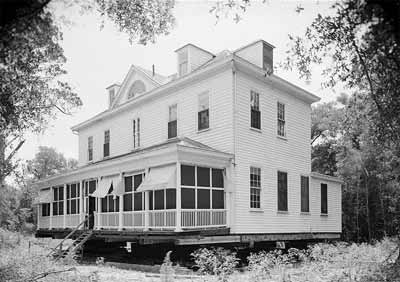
<point x="13" y="152"/>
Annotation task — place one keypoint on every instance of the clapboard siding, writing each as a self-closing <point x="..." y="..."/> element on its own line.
<point x="154" y="117"/>
<point x="265" y="150"/>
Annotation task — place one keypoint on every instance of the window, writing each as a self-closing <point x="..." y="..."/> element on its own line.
<point x="281" y="120"/>
<point x="137" y="87"/>
<point x="45" y="209"/>
<point x="110" y="203"/>
<point x="255" y="187"/>
<point x="58" y="200"/>
<point x="136" y="133"/>
<point x="133" y="200"/>
<point x="202" y="188"/>
<point x="203" y="112"/>
<point x="282" y="191"/>
<point x="183" y="62"/>
<point x="305" y="194"/>
<point x="90" y="148"/>
<point x="324" y="198"/>
<point x="89" y="188"/>
<point x="73" y="195"/>
<point x="255" y="110"/>
<point x="106" y="146"/>
<point x="172" y="122"/>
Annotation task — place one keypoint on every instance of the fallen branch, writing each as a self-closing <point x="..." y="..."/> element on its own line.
<point x="44" y="274"/>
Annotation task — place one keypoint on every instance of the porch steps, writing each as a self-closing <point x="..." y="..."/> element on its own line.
<point x="74" y="247"/>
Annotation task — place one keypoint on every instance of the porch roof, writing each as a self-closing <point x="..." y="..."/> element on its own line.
<point x="182" y="149"/>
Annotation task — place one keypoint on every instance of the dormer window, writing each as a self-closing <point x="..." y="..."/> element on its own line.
<point x="137" y="87"/>
<point x="183" y="62"/>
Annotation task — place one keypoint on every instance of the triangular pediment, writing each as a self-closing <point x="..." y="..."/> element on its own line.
<point x="137" y="82"/>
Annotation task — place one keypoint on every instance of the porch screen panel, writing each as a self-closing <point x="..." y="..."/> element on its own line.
<point x="203" y="176"/>
<point x="138" y="196"/>
<point x="58" y="202"/>
<point x="170" y="199"/>
<point x="73" y="195"/>
<point x="187" y="175"/>
<point x="218" y="199"/>
<point x="159" y="200"/>
<point x="217" y="178"/>
<point x="203" y="198"/>
<point x="188" y="198"/>
<point x="128" y="194"/>
<point x="45" y="209"/>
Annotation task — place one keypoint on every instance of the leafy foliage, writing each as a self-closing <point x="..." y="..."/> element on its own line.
<point x="215" y="261"/>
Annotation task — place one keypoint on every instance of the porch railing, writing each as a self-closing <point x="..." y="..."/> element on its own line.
<point x="203" y="218"/>
<point x="72" y="220"/>
<point x="133" y="219"/>
<point x="162" y="219"/>
<point x="107" y="220"/>
<point x="157" y="219"/>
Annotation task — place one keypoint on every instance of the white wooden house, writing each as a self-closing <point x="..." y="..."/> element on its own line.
<point x="223" y="146"/>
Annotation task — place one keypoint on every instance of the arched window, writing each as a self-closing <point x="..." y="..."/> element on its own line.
<point x="136" y="88"/>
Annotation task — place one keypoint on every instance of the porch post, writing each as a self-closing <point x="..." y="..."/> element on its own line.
<point x="178" y="223"/>
<point x="51" y="208"/>
<point x="98" y="211"/>
<point x="146" y="210"/>
<point x="121" y="203"/>
<point x="81" y="203"/>
<point x="64" y="205"/>
<point x="228" y="193"/>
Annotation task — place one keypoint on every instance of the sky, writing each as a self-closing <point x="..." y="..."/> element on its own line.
<point x="97" y="58"/>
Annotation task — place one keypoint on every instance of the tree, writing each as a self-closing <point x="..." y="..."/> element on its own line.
<point x="32" y="85"/>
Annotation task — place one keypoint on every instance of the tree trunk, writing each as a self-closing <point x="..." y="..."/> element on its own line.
<point x="367" y="208"/>
<point x="357" y="210"/>
<point x="2" y="161"/>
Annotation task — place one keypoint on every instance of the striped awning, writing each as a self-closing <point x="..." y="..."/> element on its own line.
<point x="159" y="178"/>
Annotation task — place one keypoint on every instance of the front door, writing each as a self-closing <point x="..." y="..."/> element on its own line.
<point x="90" y="202"/>
<point x="91" y="210"/>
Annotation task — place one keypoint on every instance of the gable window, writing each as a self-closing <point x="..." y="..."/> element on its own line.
<point x="255" y="187"/>
<point x="324" y="198"/>
<point x="255" y="110"/>
<point x="90" y="148"/>
<point x="172" y="121"/>
<point x="203" y="111"/>
<point x="183" y="62"/>
<point x="281" y="120"/>
<point x="282" y="191"/>
<point x="305" y="194"/>
<point x="73" y="195"/>
<point x="106" y="146"/>
<point x="58" y="200"/>
<point x="45" y="209"/>
<point x="137" y="87"/>
<point x="136" y="133"/>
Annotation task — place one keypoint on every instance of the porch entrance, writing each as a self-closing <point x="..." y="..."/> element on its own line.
<point x="90" y="202"/>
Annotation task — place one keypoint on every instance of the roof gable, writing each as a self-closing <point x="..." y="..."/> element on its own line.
<point x="137" y="82"/>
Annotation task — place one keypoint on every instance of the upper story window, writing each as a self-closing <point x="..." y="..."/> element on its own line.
<point x="73" y="195"/>
<point x="255" y="187"/>
<point x="203" y="112"/>
<point x="106" y="146"/>
<point x="137" y="87"/>
<point x="282" y="191"/>
<point x="281" y="120"/>
<point x="172" y="121"/>
<point x="305" y="194"/>
<point x="183" y="62"/>
<point x="136" y="133"/>
<point x="324" y="198"/>
<point x="90" y="148"/>
<point x="255" y="110"/>
<point x="58" y="200"/>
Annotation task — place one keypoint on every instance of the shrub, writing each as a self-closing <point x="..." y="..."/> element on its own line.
<point x="215" y="261"/>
